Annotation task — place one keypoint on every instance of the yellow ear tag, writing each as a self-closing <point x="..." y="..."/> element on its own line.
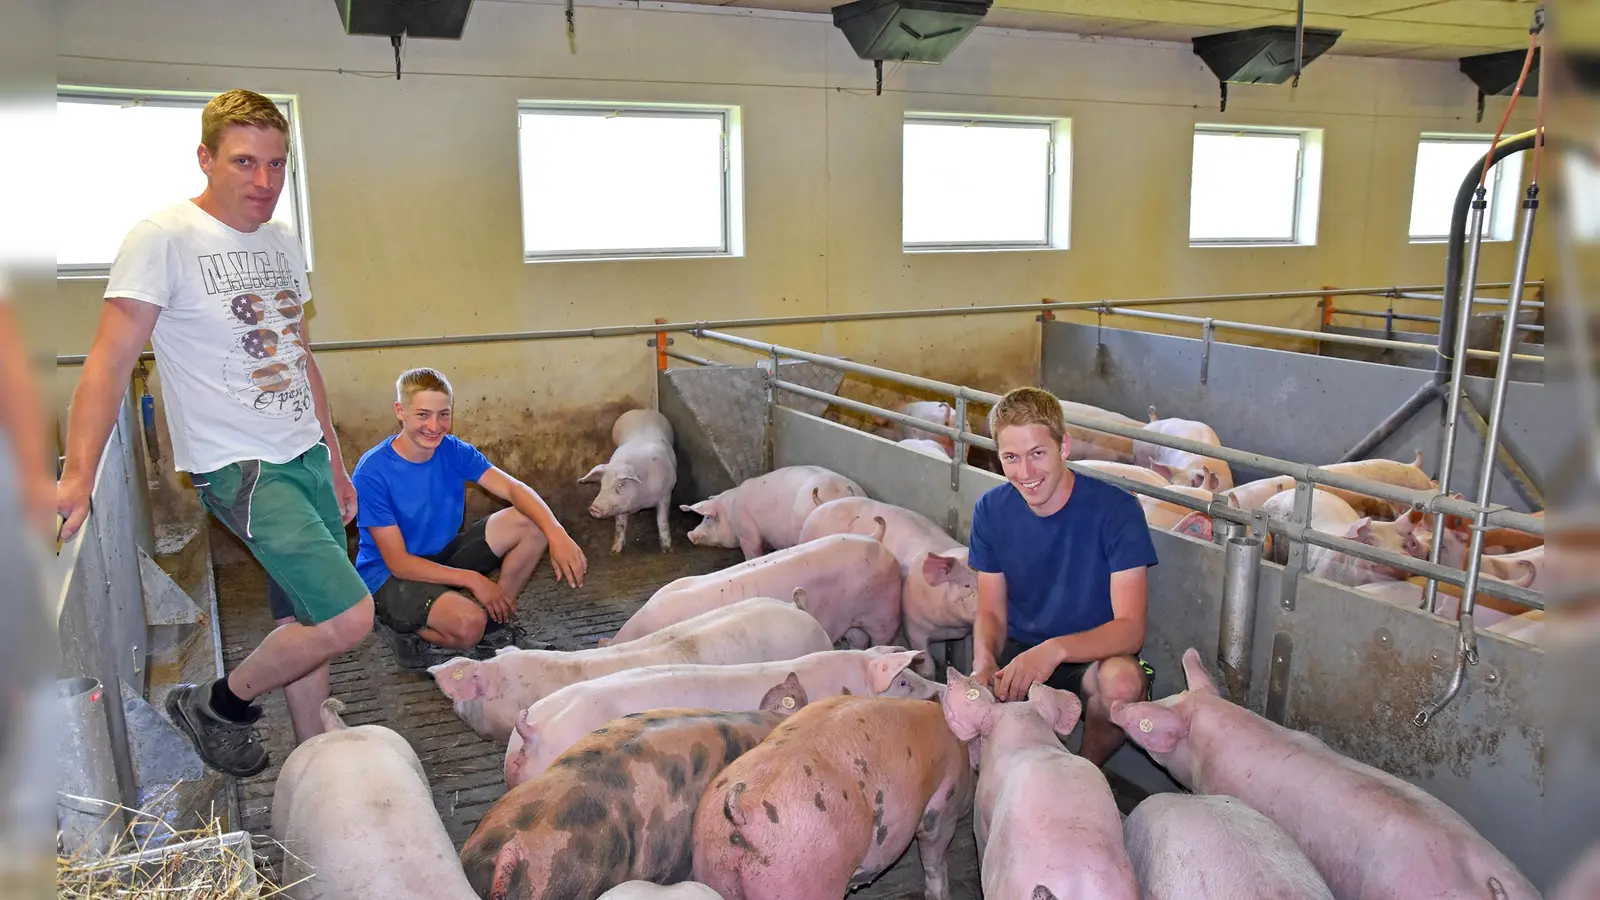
<point x="1146" y="726"/>
<point x="788" y="703"/>
<point x="457" y="674"/>
<point x="973" y="693"/>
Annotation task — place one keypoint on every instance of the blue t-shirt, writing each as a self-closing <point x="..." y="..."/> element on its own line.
<point x="427" y="500"/>
<point x="1058" y="567"/>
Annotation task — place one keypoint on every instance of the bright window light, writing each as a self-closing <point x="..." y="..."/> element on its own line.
<point x="608" y="182"/>
<point x="155" y="136"/>
<point x="976" y="183"/>
<point x="1443" y="162"/>
<point x="1247" y="187"/>
<point x="1581" y="202"/>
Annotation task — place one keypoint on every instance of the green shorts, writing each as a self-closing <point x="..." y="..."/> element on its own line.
<point x="289" y="518"/>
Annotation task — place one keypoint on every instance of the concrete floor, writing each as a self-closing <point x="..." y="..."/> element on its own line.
<point x="466" y="770"/>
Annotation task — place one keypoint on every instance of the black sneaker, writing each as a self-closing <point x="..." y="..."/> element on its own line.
<point x="231" y="747"/>
<point x="412" y="652"/>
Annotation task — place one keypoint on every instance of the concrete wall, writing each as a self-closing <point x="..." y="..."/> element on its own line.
<point x="415" y="212"/>
<point x="1357" y="668"/>
<point x="1300" y="407"/>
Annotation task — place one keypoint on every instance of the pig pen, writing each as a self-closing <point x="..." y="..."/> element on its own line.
<point x="1351" y="669"/>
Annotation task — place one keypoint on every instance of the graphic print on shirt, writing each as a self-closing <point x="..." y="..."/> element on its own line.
<point x="265" y="368"/>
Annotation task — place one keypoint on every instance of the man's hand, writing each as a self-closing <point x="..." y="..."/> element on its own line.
<point x="488" y="593"/>
<point x="72" y="504"/>
<point x="1032" y="666"/>
<point x="983" y="669"/>
<point x="567" y="559"/>
<point x="345" y="491"/>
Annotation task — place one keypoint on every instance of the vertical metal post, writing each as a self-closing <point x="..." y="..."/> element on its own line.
<point x="1235" y="638"/>
<point x="772" y="406"/>
<point x="959" y="451"/>
<point x="1304" y="493"/>
<point x="1447" y="453"/>
<point x="661" y="347"/>
<point x="1207" y="331"/>
<point x="1467" y="646"/>
<point x="87" y="805"/>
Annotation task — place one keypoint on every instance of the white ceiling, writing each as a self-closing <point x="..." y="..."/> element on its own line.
<point x="1419" y="29"/>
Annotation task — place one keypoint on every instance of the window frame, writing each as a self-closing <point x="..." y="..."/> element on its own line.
<point x="1302" y="232"/>
<point x="1496" y="216"/>
<point x="732" y="176"/>
<point x="294" y="179"/>
<point x="1057" y="181"/>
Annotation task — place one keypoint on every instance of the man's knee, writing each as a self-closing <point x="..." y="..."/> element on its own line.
<point x="350" y="627"/>
<point x="460" y="621"/>
<point x="1118" y="678"/>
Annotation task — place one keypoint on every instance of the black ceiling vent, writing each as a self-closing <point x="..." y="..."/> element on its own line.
<point x="1495" y="74"/>
<point x="922" y="31"/>
<point x="411" y="18"/>
<point x="1260" y="55"/>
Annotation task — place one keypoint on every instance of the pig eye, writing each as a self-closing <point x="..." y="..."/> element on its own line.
<point x="618" y="488"/>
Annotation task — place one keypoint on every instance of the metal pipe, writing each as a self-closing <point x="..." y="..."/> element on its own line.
<point x="87" y="770"/>
<point x="1235" y="639"/>
<point x="1422" y="501"/>
<point x="1447" y="451"/>
<point x="1385" y="314"/>
<point x="1451" y="311"/>
<point x="1478" y="301"/>
<point x="611" y="331"/>
<point x="690" y="358"/>
<point x="1279" y="330"/>
<point x="1216" y="509"/>
<point x="1386" y="429"/>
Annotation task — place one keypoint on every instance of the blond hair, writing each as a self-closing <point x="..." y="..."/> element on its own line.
<point x="238" y="107"/>
<point x="421" y="379"/>
<point x="1028" y="406"/>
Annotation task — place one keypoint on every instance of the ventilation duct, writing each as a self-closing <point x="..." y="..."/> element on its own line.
<point x="921" y="31"/>
<point x="411" y="18"/>
<point x="1260" y="55"/>
<point x="1495" y="74"/>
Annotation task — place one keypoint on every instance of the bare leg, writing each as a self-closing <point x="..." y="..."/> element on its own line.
<point x="455" y="621"/>
<point x="293" y="651"/>
<point x="1117" y="678"/>
<point x="621" y="538"/>
<point x="519" y="543"/>
<point x="662" y="529"/>
<point x="304" y="698"/>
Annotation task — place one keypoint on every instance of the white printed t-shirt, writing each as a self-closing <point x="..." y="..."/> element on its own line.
<point x="228" y="341"/>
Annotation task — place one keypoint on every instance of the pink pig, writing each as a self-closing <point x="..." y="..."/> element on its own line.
<point x="941" y="592"/>
<point x="640" y="474"/>
<point x="831" y="799"/>
<point x="546" y="729"/>
<point x="1372" y="836"/>
<point x="1088" y="444"/>
<point x="768" y="510"/>
<point x="488" y="695"/>
<point x="1189" y="847"/>
<point x="1181" y="466"/>
<point x="850" y="583"/>
<point x="1046" y="824"/>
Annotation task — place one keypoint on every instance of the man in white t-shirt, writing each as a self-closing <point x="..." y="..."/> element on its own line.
<point x="219" y="289"/>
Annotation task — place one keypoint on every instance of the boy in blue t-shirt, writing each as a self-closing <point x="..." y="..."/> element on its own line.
<point x="427" y="579"/>
<point x="1061" y="574"/>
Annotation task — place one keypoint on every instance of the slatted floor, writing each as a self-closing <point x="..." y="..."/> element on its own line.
<point x="464" y="769"/>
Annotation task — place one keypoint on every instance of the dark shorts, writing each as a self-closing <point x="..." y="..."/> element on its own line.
<point x="404" y="605"/>
<point x="287" y="516"/>
<point x="1067" y="676"/>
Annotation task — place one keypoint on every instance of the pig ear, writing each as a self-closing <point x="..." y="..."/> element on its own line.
<point x="881" y="672"/>
<point x="1360" y="529"/>
<point x="936" y="569"/>
<point x="1195" y="524"/>
<point x="1418" y="461"/>
<point x="967" y="705"/>
<point x="1212" y="481"/>
<point x="1152" y="726"/>
<point x="1061" y="709"/>
<point x="530" y="737"/>
<point x="595" y="474"/>
<point x="1162" y="469"/>
<point x="785" y="697"/>
<point x="465" y="679"/>
<point x="1194" y="670"/>
<point x="707" y="508"/>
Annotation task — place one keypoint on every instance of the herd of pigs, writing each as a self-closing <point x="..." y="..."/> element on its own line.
<point x="1510" y="556"/>
<point x="771" y="731"/>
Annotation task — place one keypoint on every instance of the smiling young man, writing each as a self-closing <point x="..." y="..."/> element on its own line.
<point x="1061" y="574"/>
<point x="220" y="291"/>
<point x="428" y="576"/>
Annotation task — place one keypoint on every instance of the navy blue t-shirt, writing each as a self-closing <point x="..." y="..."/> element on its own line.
<point x="427" y="500"/>
<point x="1058" y="567"/>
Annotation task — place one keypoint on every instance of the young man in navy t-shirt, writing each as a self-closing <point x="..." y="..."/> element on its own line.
<point x="426" y="578"/>
<point x="1061" y="574"/>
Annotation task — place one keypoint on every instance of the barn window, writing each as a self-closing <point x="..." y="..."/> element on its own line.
<point x="609" y="182"/>
<point x="1443" y="162"/>
<point x="1254" y="186"/>
<point x="984" y="183"/>
<point x="151" y="136"/>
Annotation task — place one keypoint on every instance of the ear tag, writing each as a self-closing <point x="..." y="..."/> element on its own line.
<point x="1146" y="726"/>
<point x="788" y="703"/>
<point x="457" y="674"/>
<point x="973" y="693"/>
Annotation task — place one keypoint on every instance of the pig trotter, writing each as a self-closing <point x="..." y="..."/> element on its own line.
<point x="730" y="806"/>
<point x="622" y="533"/>
<point x="1040" y="892"/>
<point x="662" y="528"/>
<point x="1496" y="891"/>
